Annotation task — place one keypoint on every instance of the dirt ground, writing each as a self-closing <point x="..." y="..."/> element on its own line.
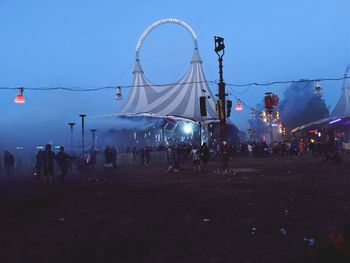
<point x="143" y="214"/>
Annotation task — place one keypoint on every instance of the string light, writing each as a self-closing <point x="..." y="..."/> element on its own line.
<point x="239" y="105"/>
<point x="286" y="82"/>
<point x="318" y="89"/>
<point x="252" y="112"/>
<point x="20" y="98"/>
<point x="118" y="93"/>
<point x="77" y="89"/>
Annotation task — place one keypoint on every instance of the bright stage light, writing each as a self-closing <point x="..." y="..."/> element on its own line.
<point x="187" y="128"/>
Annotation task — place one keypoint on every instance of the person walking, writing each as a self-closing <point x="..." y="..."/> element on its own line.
<point x="142" y="156"/>
<point x="61" y="159"/>
<point x="9" y="163"/>
<point x="250" y="149"/>
<point x="204" y="154"/>
<point x="195" y="154"/>
<point x="173" y="159"/>
<point x="48" y="164"/>
<point x="114" y="156"/>
<point x="134" y="155"/>
<point x="109" y="158"/>
<point x="39" y="161"/>
<point x="93" y="157"/>
<point x="147" y="155"/>
<point x="225" y="155"/>
<point x="301" y="147"/>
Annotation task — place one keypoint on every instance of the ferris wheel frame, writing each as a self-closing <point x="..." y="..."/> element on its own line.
<point x="148" y="30"/>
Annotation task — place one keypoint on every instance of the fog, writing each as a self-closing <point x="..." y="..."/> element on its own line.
<point x="86" y="45"/>
<point x="300" y="105"/>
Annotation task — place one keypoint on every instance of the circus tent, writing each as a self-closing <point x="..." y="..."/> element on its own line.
<point x="343" y="106"/>
<point x="161" y="112"/>
<point x="178" y="99"/>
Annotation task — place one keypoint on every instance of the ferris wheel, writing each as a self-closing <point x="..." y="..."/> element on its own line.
<point x="149" y="29"/>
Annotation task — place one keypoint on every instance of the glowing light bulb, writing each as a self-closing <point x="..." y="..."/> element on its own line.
<point x="20" y="98"/>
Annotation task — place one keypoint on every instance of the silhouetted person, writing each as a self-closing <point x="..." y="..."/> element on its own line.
<point x="204" y="153"/>
<point x="93" y="155"/>
<point x="177" y="157"/>
<point x="61" y="159"/>
<point x="142" y="156"/>
<point x="134" y="155"/>
<point x="195" y="153"/>
<point x="173" y="159"/>
<point x="48" y="164"/>
<point x="9" y="162"/>
<point x="114" y="154"/>
<point x="147" y="155"/>
<point x="39" y="162"/>
<point x="109" y="158"/>
<point x="225" y="155"/>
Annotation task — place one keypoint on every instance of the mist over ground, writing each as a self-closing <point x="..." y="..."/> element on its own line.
<point x="85" y="45"/>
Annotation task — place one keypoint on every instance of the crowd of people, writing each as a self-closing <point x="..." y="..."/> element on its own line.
<point x="293" y="148"/>
<point x="177" y="154"/>
<point x="44" y="164"/>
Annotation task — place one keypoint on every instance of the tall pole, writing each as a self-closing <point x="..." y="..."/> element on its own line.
<point x="93" y="138"/>
<point x="220" y="51"/>
<point x="82" y="134"/>
<point x="71" y="124"/>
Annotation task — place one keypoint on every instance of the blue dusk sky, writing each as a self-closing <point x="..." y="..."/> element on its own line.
<point x="91" y="44"/>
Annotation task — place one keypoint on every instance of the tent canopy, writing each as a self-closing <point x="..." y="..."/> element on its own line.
<point x="178" y="99"/>
<point x="340" y="111"/>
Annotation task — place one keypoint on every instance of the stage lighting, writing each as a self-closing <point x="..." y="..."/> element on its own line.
<point x="187" y="128"/>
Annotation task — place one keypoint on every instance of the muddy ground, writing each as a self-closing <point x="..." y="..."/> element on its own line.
<point x="143" y="214"/>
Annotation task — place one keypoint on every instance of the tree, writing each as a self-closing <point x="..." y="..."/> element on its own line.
<point x="300" y="105"/>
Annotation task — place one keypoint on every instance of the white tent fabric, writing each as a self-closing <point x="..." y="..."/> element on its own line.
<point x="142" y="115"/>
<point x="341" y="110"/>
<point x="318" y="122"/>
<point x="343" y="106"/>
<point x="178" y="99"/>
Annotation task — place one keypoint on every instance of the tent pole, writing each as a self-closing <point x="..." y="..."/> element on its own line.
<point x="200" y="133"/>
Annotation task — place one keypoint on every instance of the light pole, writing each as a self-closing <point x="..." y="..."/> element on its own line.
<point x="220" y="51"/>
<point x="82" y="134"/>
<point x="93" y="138"/>
<point x="71" y="124"/>
<point x="270" y="100"/>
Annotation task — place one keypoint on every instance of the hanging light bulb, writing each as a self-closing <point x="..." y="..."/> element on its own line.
<point x="239" y="105"/>
<point x="318" y="89"/>
<point x="118" y="94"/>
<point x="20" y="98"/>
<point x="252" y="112"/>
